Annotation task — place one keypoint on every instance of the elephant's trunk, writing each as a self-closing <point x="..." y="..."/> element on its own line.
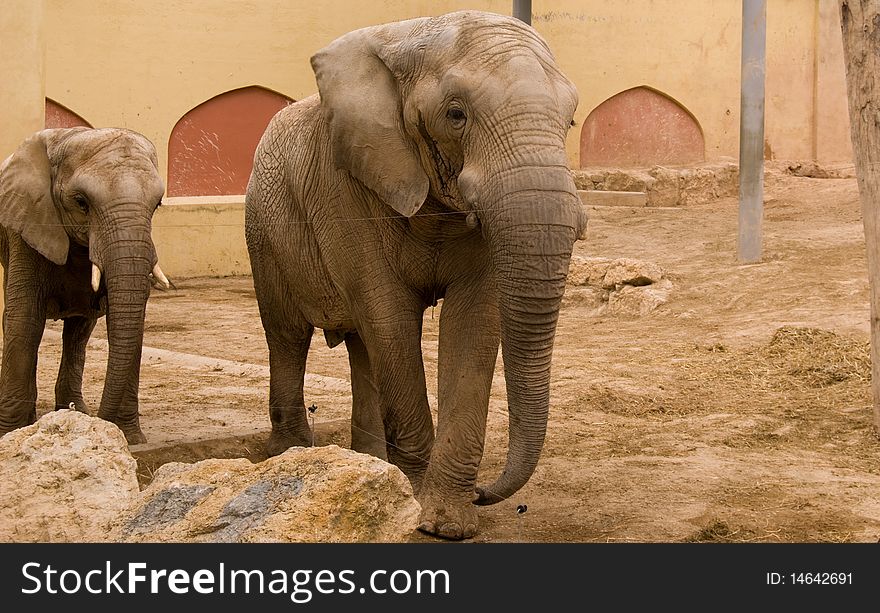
<point x="531" y="241"/>
<point x="128" y="259"/>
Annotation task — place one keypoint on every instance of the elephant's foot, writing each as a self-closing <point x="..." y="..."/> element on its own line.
<point x="77" y="405"/>
<point x="281" y="441"/>
<point x="133" y="433"/>
<point x="446" y="518"/>
<point x="134" y="437"/>
<point x="10" y="421"/>
<point x="415" y="471"/>
<point x="369" y="444"/>
<point x="129" y="425"/>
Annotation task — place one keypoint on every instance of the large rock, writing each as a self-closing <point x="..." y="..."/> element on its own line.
<point x="623" y="286"/>
<point x="317" y="494"/>
<point x="588" y="271"/>
<point x="639" y="300"/>
<point x="629" y="271"/>
<point x="64" y="479"/>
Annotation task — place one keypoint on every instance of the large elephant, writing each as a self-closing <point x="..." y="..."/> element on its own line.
<point x="431" y="165"/>
<point x="76" y="206"/>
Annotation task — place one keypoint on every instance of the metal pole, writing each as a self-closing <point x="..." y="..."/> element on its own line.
<point x="751" y="130"/>
<point x="522" y="10"/>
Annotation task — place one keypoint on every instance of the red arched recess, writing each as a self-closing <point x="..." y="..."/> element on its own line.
<point x="640" y="127"/>
<point x="58" y="116"/>
<point x="211" y="151"/>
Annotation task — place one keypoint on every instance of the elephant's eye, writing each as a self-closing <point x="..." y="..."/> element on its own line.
<point x="81" y="202"/>
<point x="456" y="116"/>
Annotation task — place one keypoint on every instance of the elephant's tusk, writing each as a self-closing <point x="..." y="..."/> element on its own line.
<point x="96" y="277"/>
<point x="158" y="274"/>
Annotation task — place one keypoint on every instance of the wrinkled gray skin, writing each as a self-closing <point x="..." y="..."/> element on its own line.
<point x="431" y="166"/>
<point x="71" y="198"/>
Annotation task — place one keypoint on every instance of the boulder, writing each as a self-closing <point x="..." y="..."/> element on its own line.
<point x="65" y="478"/>
<point x="628" y="271"/>
<point x="666" y="190"/>
<point x="315" y="494"/>
<point x="639" y="300"/>
<point x="623" y="286"/>
<point x="588" y="271"/>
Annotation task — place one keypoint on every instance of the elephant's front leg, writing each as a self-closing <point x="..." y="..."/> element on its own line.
<point x="469" y="338"/>
<point x="24" y="318"/>
<point x="68" y="386"/>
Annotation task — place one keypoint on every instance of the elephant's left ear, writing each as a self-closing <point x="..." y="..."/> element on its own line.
<point x="26" y="204"/>
<point x="363" y="106"/>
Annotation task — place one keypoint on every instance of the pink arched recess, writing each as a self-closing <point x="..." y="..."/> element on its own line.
<point x="58" y="116"/>
<point x="211" y="150"/>
<point x="640" y="127"/>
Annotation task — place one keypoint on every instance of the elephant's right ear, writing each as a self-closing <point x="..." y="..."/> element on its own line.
<point x="26" y="204"/>
<point x="361" y="98"/>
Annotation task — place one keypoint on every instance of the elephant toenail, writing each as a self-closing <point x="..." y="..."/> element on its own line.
<point x="450" y="530"/>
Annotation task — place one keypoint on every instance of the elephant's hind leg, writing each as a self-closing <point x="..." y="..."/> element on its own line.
<point x="288" y="342"/>
<point x="68" y="386"/>
<point x="367" y="429"/>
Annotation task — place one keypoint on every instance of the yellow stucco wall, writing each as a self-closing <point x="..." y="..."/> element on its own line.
<point x="22" y="80"/>
<point x="201" y="236"/>
<point x="144" y="65"/>
<point x="22" y="86"/>
<point x="833" y="142"/>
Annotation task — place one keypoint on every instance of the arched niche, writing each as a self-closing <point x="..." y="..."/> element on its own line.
<point x="211" y="150"/>
<point x="640" y="127"/>
<point x="59" y="116"/>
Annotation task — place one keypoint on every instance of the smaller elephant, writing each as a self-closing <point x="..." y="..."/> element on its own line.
<point x="76" y="208"/>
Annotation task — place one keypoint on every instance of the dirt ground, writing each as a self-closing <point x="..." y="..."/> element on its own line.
<point x="737" y="411"/>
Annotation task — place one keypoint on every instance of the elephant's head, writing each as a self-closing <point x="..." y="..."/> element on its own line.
<point x="471" y="110"/>
<point x="95" y="189"/>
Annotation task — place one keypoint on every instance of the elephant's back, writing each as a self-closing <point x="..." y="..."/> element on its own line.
<point x="291" y="126"/>
<point x="289" y="135"/>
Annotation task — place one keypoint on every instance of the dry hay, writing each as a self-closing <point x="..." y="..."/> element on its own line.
<point x="817" y="358"/>
<point x="804" y="388"/>
<point x="797" y="362"/>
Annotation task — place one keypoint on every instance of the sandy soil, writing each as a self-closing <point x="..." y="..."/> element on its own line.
<point x="738" y="411"/>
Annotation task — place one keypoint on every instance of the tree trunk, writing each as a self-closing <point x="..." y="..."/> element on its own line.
<point x="860" y="24"/>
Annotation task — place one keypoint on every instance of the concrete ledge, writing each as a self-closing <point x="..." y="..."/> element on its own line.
<point x="199" y="236"/>
<point x="612" y="198"/>
<point x="202" y="200"/>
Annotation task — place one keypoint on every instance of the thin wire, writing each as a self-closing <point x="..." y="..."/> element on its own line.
<point x="265" y="224"/>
